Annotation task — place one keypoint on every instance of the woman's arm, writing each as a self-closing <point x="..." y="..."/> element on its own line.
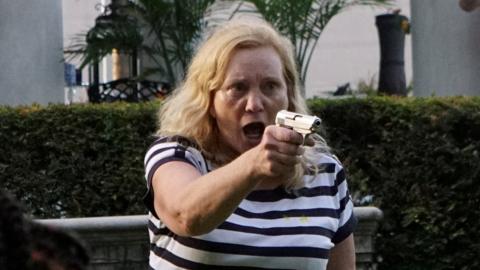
<point x="191" y="204"/>
<point x="342" y="255"/>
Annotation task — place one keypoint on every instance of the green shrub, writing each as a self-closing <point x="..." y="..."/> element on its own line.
<point x="417" y="158"/>
<point x="76" y="160"/>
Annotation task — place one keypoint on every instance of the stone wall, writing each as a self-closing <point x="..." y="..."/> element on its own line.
<point x="117" y="243"/>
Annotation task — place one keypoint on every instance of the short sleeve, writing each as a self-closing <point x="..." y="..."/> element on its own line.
<point x="346" y="218"/>
<point x="164" y="150"/>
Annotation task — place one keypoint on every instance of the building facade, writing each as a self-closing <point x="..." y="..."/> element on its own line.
<point x="441" y="54"/>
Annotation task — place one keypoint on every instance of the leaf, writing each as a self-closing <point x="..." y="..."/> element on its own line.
<point x="303" y="21"/>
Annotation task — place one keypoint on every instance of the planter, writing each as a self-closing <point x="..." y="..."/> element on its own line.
<point x="391" y="33"/>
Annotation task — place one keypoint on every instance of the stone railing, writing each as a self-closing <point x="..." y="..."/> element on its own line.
<point x="368" y="221"/>
<point x="117" y="243"/>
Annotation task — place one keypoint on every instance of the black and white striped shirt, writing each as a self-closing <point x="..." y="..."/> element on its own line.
<point x="270" y="229"/>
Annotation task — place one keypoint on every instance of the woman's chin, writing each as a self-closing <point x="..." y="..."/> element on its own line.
<point x="242" y="144"/>
<point x="252" y="141"/>
<point x="245" y="144"/>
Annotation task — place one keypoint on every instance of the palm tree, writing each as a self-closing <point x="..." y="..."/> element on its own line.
<point x="162" y="30"/>
<point x="303" y="21"/>
<point x="171" y="28"/>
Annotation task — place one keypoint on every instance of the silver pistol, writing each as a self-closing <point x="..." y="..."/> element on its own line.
<point x="301" y="123"/>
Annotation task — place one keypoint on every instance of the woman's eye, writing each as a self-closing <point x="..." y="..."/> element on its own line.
<point x="270" y="86"/>
<point x="237" y="89"/>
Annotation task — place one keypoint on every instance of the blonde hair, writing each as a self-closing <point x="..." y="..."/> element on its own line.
<point x="186" y="111"/>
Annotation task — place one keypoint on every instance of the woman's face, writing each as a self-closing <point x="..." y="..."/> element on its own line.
<point x="253" y="91"/>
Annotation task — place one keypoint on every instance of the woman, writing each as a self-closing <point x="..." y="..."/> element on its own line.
<point x="226" y="187"/>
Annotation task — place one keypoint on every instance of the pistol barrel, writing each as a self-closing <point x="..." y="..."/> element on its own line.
<point x="301" y="123"/>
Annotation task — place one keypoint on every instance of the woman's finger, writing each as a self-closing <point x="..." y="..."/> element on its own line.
<point x="285" y="135"/>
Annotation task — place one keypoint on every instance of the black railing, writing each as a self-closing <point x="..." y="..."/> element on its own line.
<point x="128" y="90"/>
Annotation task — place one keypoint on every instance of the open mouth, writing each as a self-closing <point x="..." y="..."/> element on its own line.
<point x="254" y="130"/>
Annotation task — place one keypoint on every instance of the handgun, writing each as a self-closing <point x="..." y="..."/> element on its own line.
<point x="301" y="123"/>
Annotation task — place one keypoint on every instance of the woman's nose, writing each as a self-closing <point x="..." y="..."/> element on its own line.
<point x="254" y="101"/>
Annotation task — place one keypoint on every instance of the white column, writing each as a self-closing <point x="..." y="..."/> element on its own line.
<point x="31" y="52"/>
<point x="446" y="48"/>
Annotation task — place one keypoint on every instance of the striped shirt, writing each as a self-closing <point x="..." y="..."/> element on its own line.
<point x="270" y="229"/>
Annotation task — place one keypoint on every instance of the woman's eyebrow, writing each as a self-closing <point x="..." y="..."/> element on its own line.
<point x="232" y="80"/>
<point x="272" y="78"/>
<point x="236" y="77"/>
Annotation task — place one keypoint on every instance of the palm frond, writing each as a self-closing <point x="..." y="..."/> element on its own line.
<point x="303" y="21"/>
<point x="162" y="30"/>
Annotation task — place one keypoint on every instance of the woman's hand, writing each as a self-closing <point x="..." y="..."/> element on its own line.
<point x="277" y="154"/>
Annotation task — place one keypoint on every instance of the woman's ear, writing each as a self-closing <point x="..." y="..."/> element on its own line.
<point x="211" y="109"/>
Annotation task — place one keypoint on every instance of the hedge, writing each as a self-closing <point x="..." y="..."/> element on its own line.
<point x="415" y="158"/>
<point x="81" y="160"/>
<point x="419" y="158"/>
